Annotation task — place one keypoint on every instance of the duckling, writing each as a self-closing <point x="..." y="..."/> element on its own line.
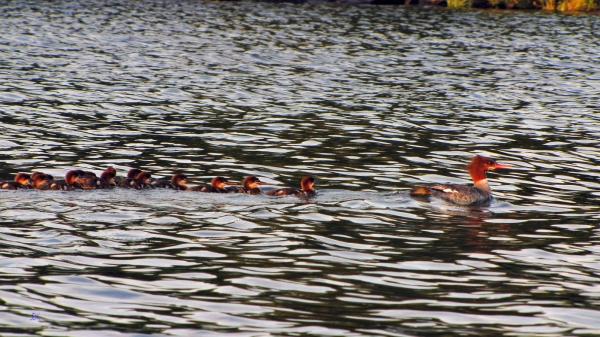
<point x="306" y="189"/>
<point x="250" y="185"/>
<point x="68" y="184"/>
<point x="178" y="182"/>
<point x="41" y="181"/>
<point x="130" y="175"/>
<point x="21" y="181"/>
<point x="141" y="181"/>
<point x="217" y="185"/>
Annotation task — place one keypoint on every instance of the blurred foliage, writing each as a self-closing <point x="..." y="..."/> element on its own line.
<point x="459" y="3"/>
<point x="554" y="5"/>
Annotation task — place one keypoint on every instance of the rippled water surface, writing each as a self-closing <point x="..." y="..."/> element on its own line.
<point x="369" y="100"/>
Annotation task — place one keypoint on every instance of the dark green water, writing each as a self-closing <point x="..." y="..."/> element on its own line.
<point x="369" y="100"/>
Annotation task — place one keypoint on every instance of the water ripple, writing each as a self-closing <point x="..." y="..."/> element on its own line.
<point x="368" y="100"/>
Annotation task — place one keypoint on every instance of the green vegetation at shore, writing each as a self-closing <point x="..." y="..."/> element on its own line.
<point x="546" y="5"/>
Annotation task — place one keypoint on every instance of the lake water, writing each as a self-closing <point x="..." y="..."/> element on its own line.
<point x="369" y="100"/>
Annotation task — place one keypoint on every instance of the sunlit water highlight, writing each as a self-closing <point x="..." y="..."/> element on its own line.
<point x="369" y="100"/>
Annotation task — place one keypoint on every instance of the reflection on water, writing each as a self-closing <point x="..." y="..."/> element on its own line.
<point x="369" y="100"/>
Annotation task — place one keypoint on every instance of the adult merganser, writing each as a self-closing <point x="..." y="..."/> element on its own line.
<point x="141" y="181"/>
<point x="178" y="182"/>
<point x="461" y="194"/>
<point x="306" y="189"/>
<point x="250" y="185"/>
<point x="217" y="185"/>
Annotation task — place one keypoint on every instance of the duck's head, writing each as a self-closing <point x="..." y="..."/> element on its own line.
<point x="41" y="176"/>
<point x="24" y="179"/>
<point x="109" y="177"/>
<point x="72" y="175"/>
<point x="111" y="171"/>
<point x="480" y="164"/>
<point x="132" y="174"/>
<point x="179" y="179"/>
<point x="307" y="183"/>
<point x="220" y="182"/>
<point x="38" y="178"/>
<point x="144" y="177"/>
<point x="251" y="182"/>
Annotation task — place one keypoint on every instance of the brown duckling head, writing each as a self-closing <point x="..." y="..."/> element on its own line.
<point x="220" y="182"/>
<point x="132" y="174"/>
<point x="179" y="179"/>
<point x="307" y="184"/>
<point x="144" y="177"/>
<point x="24" y="179"/>
<point x="251" y="182"/>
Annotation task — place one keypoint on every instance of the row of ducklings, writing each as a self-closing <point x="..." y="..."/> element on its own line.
<point x="138" y="179"/>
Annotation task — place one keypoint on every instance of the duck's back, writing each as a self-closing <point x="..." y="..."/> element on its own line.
<point x="289" y="191"/>
<point x="163" y="184"/>
<point x="460" y="194"/>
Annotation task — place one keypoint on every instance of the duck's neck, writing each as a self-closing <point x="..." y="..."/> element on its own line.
<point x="480" y="180"/>
<point x="483" y="185"/>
